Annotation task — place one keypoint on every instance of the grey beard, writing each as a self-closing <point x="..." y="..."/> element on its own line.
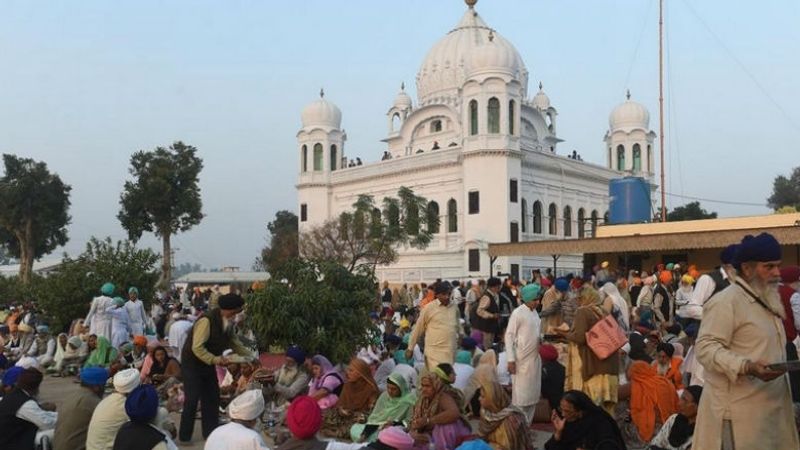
<point x="769" y="293"/>
<point x="227" y="324"/>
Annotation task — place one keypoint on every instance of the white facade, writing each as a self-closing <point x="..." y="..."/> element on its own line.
<point x="474" y="131"/>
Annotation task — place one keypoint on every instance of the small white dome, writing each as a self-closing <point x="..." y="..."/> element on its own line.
<point x="321" y="113"/>
<point x="541" y="101"/>
<point x="402" y="100"/>
<point x="629" y="114"/>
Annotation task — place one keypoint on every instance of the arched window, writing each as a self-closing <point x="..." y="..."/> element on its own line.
<point x="395" y="122"/>
<point x="620" y="157"/>
<point x="594" y="223"/>
<point x="305" y="158"/>
<point x="493" y="111"/>
<point x="317" y="156"/>
<point x="433" y="217"/>
<point x="524" y="215"/>
<point x="412" y="219"/>
<point x="581" y="223"/>
<point x="452" y="216"/>
<point x="637" y="158"/>
<point x="537" y="217"/>
<point x="552" y="212"/>
<point x="511" y="124"/>
<point x="436" y="126"/>
<point x="648" y="157"/>
<point x="473" y="117"/>
<point x="333" y="158"/>
<point x="567" y="221"/>
<point x="393" y="215"/>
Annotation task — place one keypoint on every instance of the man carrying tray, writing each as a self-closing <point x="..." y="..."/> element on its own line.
<point x="745" y="404"/>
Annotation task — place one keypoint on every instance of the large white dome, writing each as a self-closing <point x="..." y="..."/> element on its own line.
<point x="321" y="113"/>
<point x="629" y="114"/>
<point x="471" y="47"/>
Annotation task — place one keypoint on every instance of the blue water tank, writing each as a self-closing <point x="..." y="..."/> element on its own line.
<point x="629" y="201"/>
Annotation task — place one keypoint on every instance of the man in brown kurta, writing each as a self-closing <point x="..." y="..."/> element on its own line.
<point x="74" y="417"/>
<point x="745" y="405"/>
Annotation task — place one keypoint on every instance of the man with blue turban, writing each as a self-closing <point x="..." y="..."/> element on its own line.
<point x="745" y="400"/>
<point x="98" y="319"/>
<point x="522" y="350"/>
<point x="140" y="433"/>
<point x="76" y="412"/>
<point x="136" y="313"/>
<point x="551" y="304"/>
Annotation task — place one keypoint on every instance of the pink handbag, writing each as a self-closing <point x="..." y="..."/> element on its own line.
<point x="605" y="337"/>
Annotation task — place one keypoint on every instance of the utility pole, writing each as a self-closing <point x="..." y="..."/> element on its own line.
<point x="661" y="105"/>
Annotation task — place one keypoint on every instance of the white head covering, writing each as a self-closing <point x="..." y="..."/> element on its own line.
<point x="126" y="380"/>
<point x="28" y="362"/>
<point x="247" y="406"/>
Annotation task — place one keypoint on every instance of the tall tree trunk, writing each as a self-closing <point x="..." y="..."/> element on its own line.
<point x="26" y="253"/>
<point x="166" y="261"/>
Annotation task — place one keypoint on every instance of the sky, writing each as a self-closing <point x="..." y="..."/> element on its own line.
<point x="85" y="84"/>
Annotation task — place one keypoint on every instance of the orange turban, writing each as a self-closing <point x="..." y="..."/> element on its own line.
<point x="665" y="277"/>
<point x="140" y="340"/>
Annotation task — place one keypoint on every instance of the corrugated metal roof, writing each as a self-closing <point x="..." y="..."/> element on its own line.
<point x="43" y="265"/>
<point x="222" y="277"/>
<point x="788" y="235"/>
<point x="726" y="223"/>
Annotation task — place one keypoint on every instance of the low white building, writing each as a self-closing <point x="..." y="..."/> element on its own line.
<point x="482" y="150"/>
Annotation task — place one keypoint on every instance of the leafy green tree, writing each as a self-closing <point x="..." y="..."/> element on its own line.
<point x="690" y="211"/>
<point x="318" y="305"/>
<point x="283" y="241"/>
<point x="34" y="211"/>
<point x="163" y="198"/>
<point x="786" y="191"/>
<point x="786" y="210"/>
<point x="66" y="294"/>
<point x="367" y="236"/>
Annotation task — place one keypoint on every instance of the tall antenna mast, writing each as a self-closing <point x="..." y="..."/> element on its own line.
<point x="661" y="104"/>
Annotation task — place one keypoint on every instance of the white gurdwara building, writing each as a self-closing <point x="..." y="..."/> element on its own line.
<point x="482" y="152"/>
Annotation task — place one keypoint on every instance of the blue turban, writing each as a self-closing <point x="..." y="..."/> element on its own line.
<point x="477" y="444"/>
<point x="728" y="254"/>
<point x="392" y="339"/>
<point x="107" y="289"/>
<point x="464" y="357"/>
<point x="119" y="301"/>
<point x="468" y="343"/>
<point x="142" y="403"/>
<point x="94" y="376"/>
<point x="297" y="354"/>
<point x="562" y="285"/>
<point x="761" y="248"/>
<point x="531" y="292"/>
<point x="133" y="289"/>
<point x="11" y="375"/>
<point x="43" y="329"/>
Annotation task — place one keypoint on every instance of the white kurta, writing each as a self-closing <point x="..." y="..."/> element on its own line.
<point x="178" y="333"/>
<point x="522" y="346"/>
<point x="98" y="320"/>
<point x="120" y="325"/>
<point x="735" y="328"/>
<point x="137" y="315"/>
<point x="234" y="436"/>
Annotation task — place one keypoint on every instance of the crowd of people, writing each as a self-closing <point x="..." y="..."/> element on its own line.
<point x="467" y="364"/>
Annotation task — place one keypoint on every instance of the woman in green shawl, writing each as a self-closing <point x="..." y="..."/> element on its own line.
<point x="103" y="354"/>
<point x="393" y="406"/>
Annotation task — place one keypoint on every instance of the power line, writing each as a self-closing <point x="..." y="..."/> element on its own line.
<point x="645" y="23"/>
<point x="709" y="200"/>
<point x="741" y="65"/>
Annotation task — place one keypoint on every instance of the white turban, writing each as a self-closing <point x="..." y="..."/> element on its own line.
<point x="28" y="362"/>
<point x="247" y="406"/>
<point x="126" y="380"/>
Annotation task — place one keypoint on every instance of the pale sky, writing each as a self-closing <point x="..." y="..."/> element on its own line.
<point x="85" y="84"/>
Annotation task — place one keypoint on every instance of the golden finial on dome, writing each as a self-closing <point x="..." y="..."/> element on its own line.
<point x="471" y="3"/>
<point x="540" y="85"/>
<point x="321" y="93"/>
<point x="402" y="85"/>
<point x="628" y="94"/>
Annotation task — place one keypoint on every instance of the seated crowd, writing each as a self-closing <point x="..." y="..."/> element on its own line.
<point x="467" y="365"/>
